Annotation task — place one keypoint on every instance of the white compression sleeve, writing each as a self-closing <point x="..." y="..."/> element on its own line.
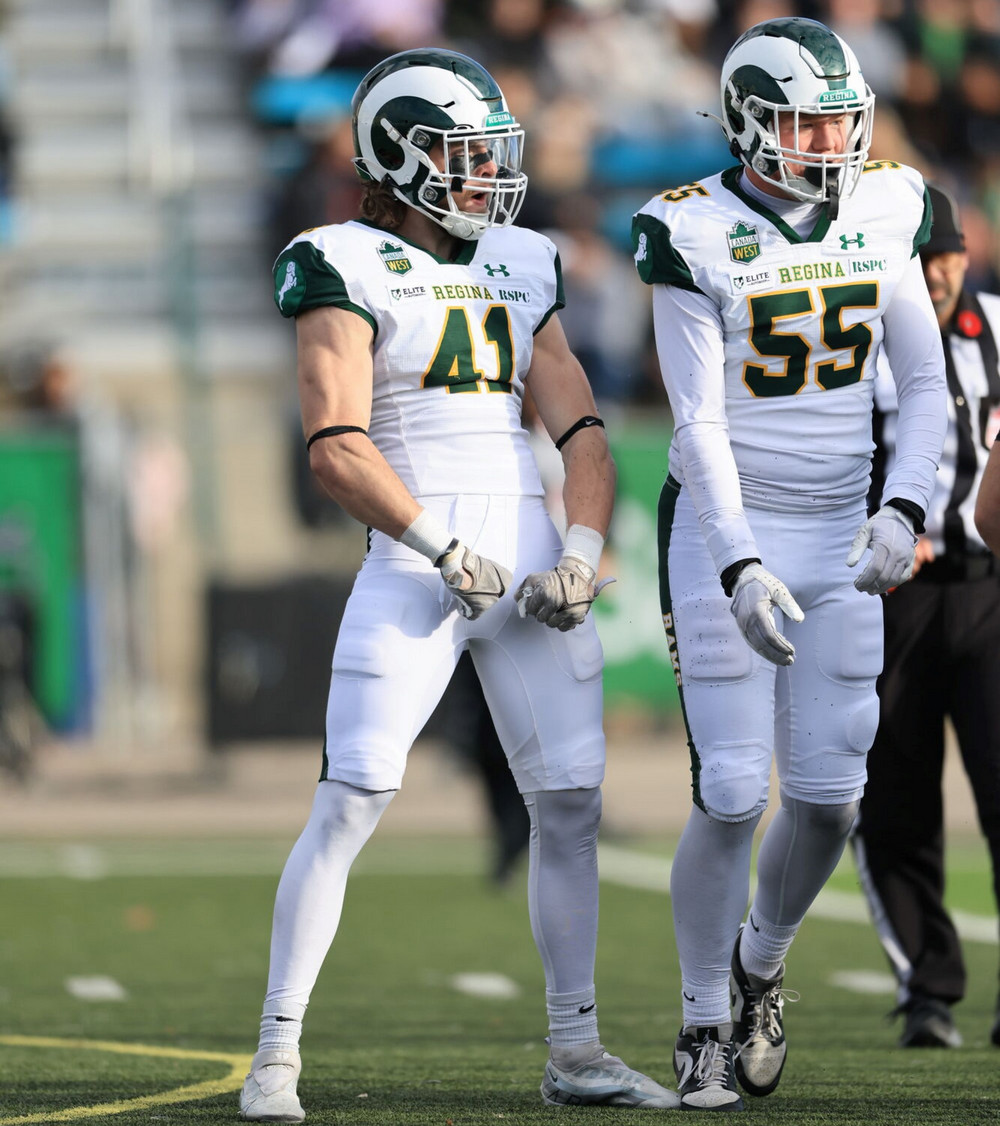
<point x="311" y="891"/>
<point x="562" y="905"/>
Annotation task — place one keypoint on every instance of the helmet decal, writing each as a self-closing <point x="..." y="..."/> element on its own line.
<point x="432" y="124"/>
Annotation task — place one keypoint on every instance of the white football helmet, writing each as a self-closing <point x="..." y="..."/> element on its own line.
<point x="794" y="66"/>
<point x="420" y="104"/>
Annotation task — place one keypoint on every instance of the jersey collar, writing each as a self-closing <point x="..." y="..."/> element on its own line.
<point x="466" y="249"/>
<point x="731" y="180"/>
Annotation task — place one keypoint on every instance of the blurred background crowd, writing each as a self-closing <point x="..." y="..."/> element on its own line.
<point x="167" y="570"/>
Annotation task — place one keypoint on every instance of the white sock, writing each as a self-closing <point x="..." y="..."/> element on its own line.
<point x="763" y="946"/>
<point x="281" y="1026"/>
<point x="572" y="1018"/>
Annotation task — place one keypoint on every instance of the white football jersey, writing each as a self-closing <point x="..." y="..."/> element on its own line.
<point x="452" y="347"/>
<point x="801" y="318"/>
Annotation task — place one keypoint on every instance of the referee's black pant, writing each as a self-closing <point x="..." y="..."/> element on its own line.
<point x="942" y="658"/>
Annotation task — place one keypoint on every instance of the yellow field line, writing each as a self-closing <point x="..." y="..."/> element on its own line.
<point x="238" y="1064"/>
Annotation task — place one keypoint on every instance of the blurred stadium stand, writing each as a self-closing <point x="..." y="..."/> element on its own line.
<point x="139" y="186"/>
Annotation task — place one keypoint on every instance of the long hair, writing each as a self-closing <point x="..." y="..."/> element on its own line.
<point x="381" y="207"/>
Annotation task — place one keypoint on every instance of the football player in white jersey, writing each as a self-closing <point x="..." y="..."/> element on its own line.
<point x="419" y="327"/>
<point x="775" y="283"/>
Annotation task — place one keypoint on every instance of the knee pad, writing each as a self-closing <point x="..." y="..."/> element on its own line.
<point x="862" y="723"/>
<point x="733" y="781"/>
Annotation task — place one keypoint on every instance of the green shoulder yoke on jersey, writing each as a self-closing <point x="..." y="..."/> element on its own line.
<point x="731" y="179"/>
<point x="656" y="259"/>
<point x="924" y="230"/>
<point x="304" y="280"/>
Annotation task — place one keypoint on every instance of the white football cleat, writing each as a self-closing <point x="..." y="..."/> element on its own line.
<point x="268" y="1093"/>
<point x="604" y="1080"/>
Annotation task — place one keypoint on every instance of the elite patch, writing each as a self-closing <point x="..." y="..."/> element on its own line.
<point x="751" y="281"/>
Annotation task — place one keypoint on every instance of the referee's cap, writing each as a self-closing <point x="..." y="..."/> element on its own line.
<point x="946" y="224"/>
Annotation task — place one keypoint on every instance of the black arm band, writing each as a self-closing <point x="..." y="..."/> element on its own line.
<point x="912" y="509"/>
<point x="730" y="574"/>
<point x="332" y="431"/>
<point x="587" y="420"/>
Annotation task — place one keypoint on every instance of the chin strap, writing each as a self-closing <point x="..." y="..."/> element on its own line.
<point x="833" y="198"/>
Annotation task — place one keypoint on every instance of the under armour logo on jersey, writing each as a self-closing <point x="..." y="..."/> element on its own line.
<point x="858" y="241"/>
<point x="494" y="270"/>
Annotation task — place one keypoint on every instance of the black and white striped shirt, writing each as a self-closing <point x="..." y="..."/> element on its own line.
<point x="972" y="364"/>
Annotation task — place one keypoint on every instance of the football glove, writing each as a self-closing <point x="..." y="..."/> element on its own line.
<point x="756" y="592"/>
<point x="476" y="582"/>
<point x="890" y="535"/>
<point x="560" y="598"/>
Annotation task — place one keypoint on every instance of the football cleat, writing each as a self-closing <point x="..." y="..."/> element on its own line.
<point x="703" y="1063"/>
<point x="268" y="1093"/>
<point x="758" y="1032"/>
<point x="604" y="1080"/>
<point x="928" y="1024"/>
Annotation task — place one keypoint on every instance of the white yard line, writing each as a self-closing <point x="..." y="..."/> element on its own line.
<point x="626" y="868"/>
<point x="622" y="866"/>
<point x="96" y="988"/>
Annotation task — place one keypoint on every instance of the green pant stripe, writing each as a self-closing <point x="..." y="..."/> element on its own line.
<point x="669" y="495"/>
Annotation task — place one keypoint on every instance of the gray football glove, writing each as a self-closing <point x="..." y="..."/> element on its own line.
<point x="756" y="592"/>
<point x="476" y="582"/>
<point x="561" y="597"/>
<point x="890" y="535"/>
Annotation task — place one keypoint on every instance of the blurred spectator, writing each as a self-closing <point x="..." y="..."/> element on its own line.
<point x="325" y="189"/>
<point x="604" y="315"/>
<point x="302" y="37"/>
<point x="879" y="47"/>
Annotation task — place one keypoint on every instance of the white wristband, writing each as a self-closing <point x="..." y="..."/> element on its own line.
<point x="585" y="544"/>
<point x="428" y="536"/>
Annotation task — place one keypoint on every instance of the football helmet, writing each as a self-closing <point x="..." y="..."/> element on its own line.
<point x="794" y="66"/>
<point x="423" y="108"/>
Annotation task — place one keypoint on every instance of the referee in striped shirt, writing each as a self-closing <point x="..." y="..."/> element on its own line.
<point x="942" y="659"/>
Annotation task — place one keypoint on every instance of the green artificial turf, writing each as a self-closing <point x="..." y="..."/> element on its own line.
<point x="389" y="1040"/>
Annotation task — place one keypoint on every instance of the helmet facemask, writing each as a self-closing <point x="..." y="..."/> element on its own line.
<point x="826" y="177"/>
<point x="434" y="192"/>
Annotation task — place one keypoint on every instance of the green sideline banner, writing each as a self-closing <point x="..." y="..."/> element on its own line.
<point x="637" y="668"/>
<point x="40" y="555"/>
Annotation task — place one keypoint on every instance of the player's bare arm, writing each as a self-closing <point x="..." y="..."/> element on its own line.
<point x="335" y="389"/>
<point x="561" y="597"/>
<point x="563" y="397"/>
